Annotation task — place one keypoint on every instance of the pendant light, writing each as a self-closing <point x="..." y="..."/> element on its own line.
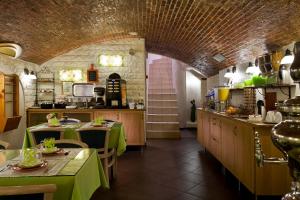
<point x="288" y="58"/>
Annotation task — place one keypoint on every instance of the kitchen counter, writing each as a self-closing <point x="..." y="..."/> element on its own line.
<point x="259" y="124"/>
<point x="231" y="140"/>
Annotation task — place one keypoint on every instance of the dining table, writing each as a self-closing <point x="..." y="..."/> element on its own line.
<point x="78" y="173"/>
<point x="117" y="137"/>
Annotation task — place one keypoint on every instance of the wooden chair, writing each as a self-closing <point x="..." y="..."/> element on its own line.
<point x="27" y="192"/>
<point x="39" y="135"/>
<point x="98" y="138"/>
<point x="69" y="143"/>
<point x="3" y="144"/>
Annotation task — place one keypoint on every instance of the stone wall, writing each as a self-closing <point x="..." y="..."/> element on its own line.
<point x="133" y="70"/>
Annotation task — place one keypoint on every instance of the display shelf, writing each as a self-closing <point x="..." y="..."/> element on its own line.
<point x="45" y="86"/>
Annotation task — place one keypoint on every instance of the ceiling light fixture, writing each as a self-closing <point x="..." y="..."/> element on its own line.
<point x="288" y="58"/>
<point x="10" y="49"/>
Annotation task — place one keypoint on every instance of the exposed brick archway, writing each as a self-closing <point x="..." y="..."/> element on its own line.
<point x="189" y="30"/>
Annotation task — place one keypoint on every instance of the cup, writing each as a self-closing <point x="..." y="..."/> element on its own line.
<point x="131" y="105"/>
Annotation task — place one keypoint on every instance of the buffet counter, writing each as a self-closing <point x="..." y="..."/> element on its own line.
<point x="231" y="141"/>
<point x="133" y="120"/>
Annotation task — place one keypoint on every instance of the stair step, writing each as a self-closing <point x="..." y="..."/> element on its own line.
<point x="162" y="110"/>
<point x="174" y="134"/>
<point x="162" y="96"/>
<point x="162" y="117"/>
<point x="161" y="90"/>
<point x="162" y="103"/>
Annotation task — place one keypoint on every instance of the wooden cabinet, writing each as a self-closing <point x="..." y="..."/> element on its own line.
<point x="244" y="155"/>
<point x="110" y="115"/>
<point x="133" y="120"/>
<point x="9" y="102"/>
<point x="200" y="130"/>
<point x="215" y="137"/>
<point x="268" y="177"/>
<point x="229" y="146"/>
<point x="232" y="142"/>
<point x="206" y="129"/>
<point x="134" y="127"/>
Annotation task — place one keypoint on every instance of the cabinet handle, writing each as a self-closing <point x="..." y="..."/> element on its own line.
<point x="214" y="123"/>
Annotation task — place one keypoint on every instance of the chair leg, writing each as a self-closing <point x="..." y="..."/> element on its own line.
<point x="114" y="166"/>
<point x="106" y="171"/>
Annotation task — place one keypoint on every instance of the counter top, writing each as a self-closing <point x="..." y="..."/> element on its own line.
<point x="83" y="110"/>
<point x="259" y="124"/>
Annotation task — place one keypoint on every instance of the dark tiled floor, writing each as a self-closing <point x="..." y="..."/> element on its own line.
<point x="171" y="170"/>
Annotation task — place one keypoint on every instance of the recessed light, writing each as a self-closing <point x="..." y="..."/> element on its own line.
<point x="219" y="57"/>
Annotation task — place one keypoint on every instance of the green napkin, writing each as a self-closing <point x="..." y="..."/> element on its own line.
<point x="29" y="157"/>
<point x="54" y="122"/>
<point x="99" y="121"/>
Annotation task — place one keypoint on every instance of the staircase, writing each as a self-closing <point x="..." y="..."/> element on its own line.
<point x="162" y="115"/>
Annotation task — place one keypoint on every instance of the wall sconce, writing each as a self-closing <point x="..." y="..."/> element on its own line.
<point x="110" y="60"/>
<point x="30" y="75"/>
<point x="288" y="58"/>
<point x="250" y="69"/>
<point x="70" y="75"/>
<point x="229" y="73"/>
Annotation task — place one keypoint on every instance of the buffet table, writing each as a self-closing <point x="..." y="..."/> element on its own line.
<point x="81" y="166"/>
<point x="231" y="140"/>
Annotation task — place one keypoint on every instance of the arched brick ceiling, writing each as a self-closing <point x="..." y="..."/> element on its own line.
<point x="189" y="30"/>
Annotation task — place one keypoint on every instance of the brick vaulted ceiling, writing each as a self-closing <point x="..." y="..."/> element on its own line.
<point x="189" y="30"/>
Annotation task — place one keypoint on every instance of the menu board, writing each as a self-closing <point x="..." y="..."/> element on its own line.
<point x="92" y="75"/>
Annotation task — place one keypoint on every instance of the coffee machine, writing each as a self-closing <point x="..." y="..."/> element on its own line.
<point x="116" y="96"/>
<point x="99" y="97"/>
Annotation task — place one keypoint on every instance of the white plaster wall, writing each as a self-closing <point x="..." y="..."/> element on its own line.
<point x="193" y="91"/>
<point x="179" y="81"/>
<point x="27" y="91"/>
<point x="133" y="70"/>
<point x="212" y="82"/>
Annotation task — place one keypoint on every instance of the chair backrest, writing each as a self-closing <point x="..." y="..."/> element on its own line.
<point x="95" y="137"/>
<point x="43" y="192"/>
<point x="4" y="145"/>
<point x="40" y="134"/>
<point x="69" y="143"/>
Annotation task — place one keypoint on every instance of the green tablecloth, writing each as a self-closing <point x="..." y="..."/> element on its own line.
<point x="117" y="138"/>
<point x="77" y="180"/>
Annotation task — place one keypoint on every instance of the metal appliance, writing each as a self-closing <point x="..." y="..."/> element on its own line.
<point x="116" y="96"/>
<point x="286" y="137"/>
<point x="99" y="97"/>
